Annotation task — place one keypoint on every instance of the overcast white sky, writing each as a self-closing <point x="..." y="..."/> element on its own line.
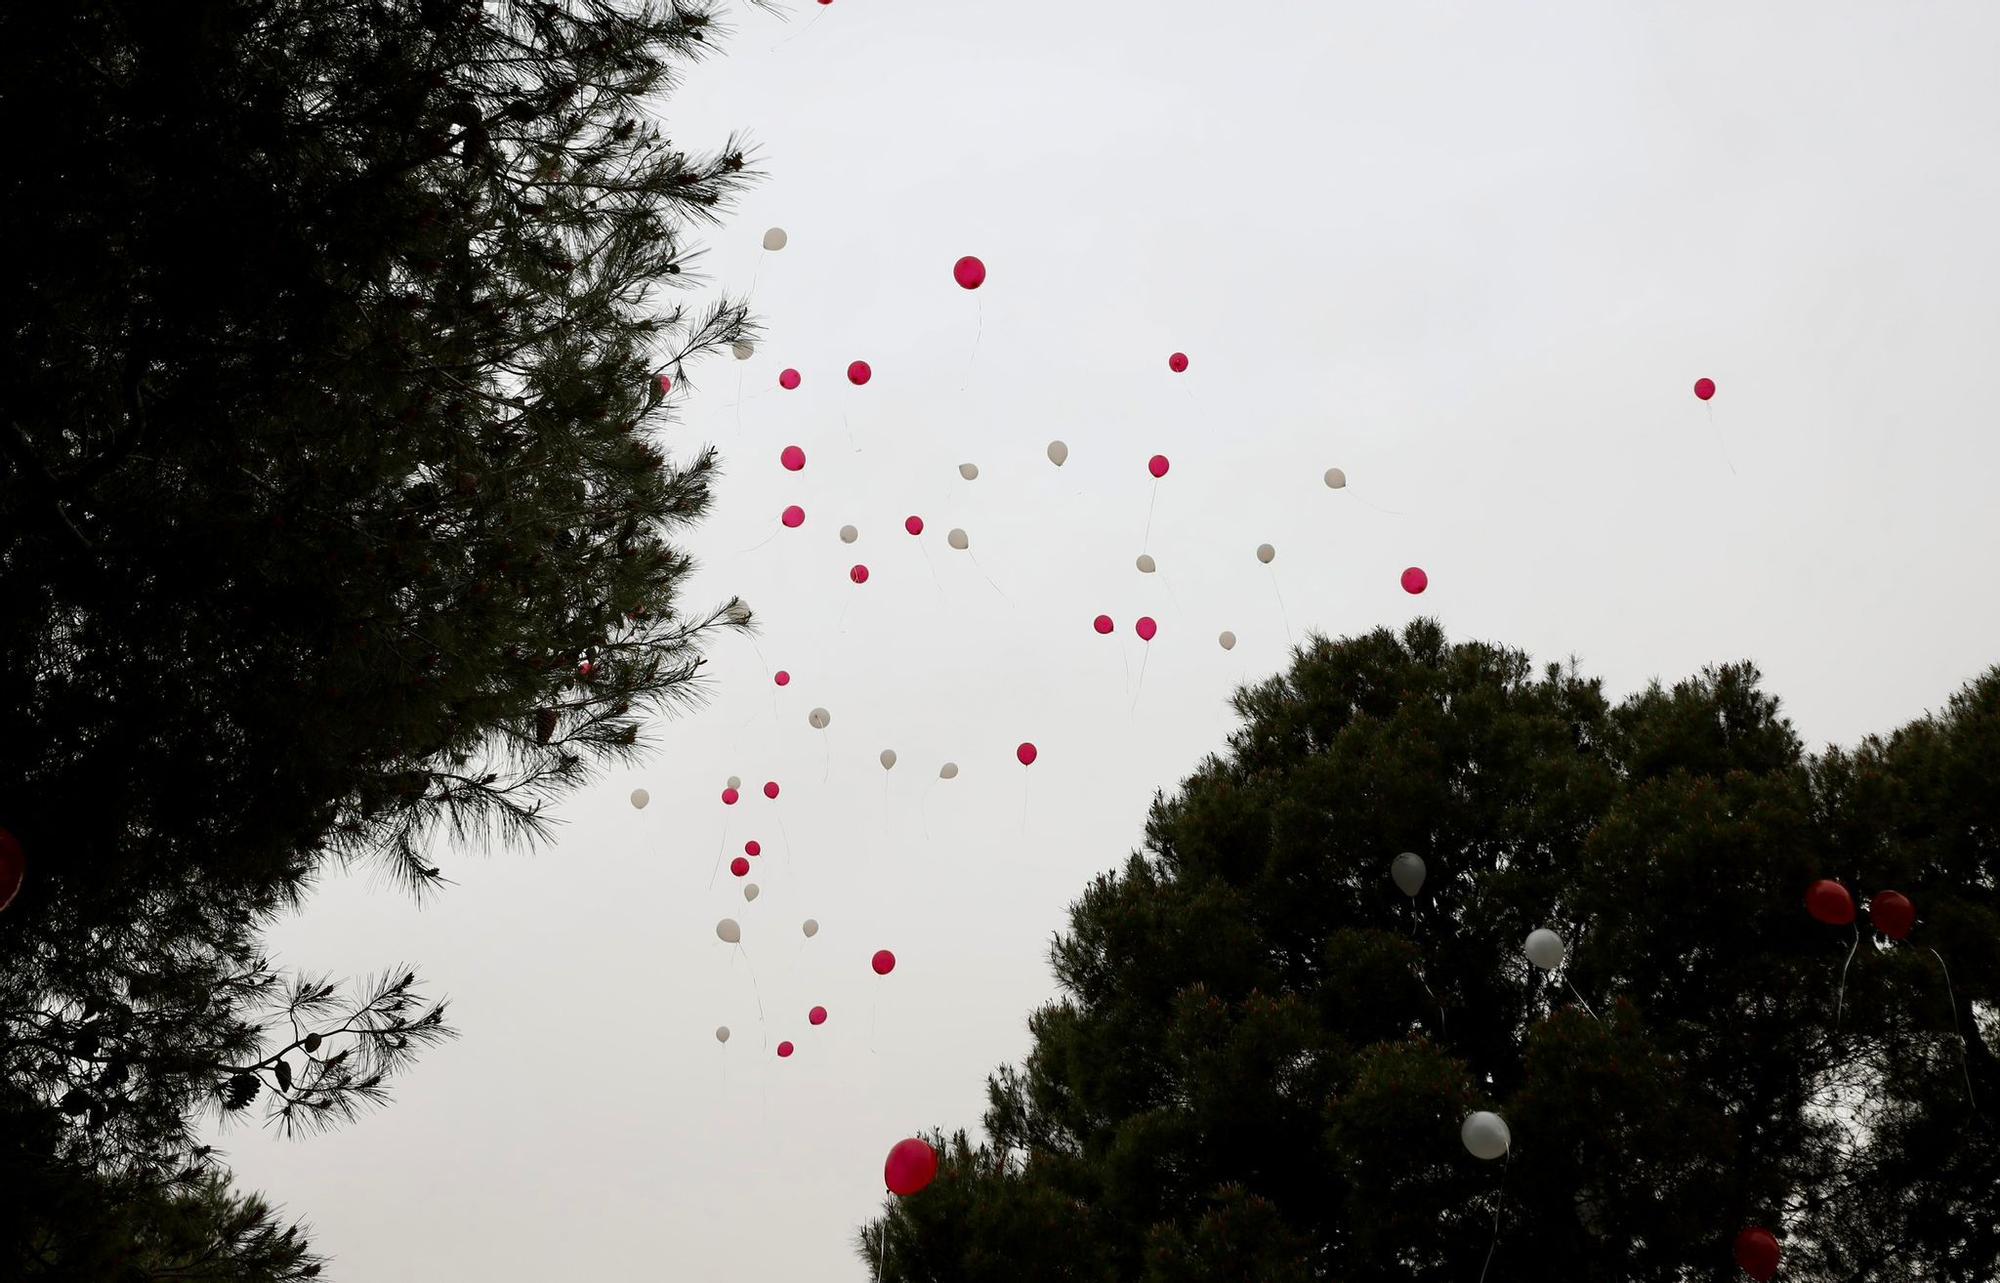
<point x="1474" y="254"/>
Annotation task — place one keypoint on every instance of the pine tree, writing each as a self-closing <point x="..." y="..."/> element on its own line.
<point x="1264" y="1051"/>
<point x="340" y="339"/>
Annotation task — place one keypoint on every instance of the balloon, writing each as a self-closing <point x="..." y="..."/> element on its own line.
<point x="949" y="771"/>
<point x="1227" y="640"/>
<point x="1177" y="362"/>
<point x="738" y="612"/>
<point x="729" y="797"/>
<point x="722" y="1033"/>
<point x="858" y="373"/>
<point x="1102" y="624"/>
<point x="1058" y="453"/>
<point x="782" y="678"/>
<point x="1407" y="871"/>
<point x="666" y="385"/>
<point x="1157" y="465"/>
<point x="1829" y="901"/>
<point x="741" y="351"/>
<point x="1265" y="552"/>
<point x="728" y="932"/>
<point x="1485" y="1135"/>
<point x="817" y="1016"/>
<point x="792" y="457"/>
<point x="848" y="534"/>
<point x="911" y="1166"/>
<point x="818" y="719"/>
<point x="784" y="1050"/>
<point x="1757" y="1254"/>
<point x="753" y="847"/>
<point x="1544" y="948"/>
<point x="1335" y="479"/>
<point x="1147" y="628"/>
<point x="859" y="574"/>
<point x="750" y="890"/>
<point x="771" y="789"/>
<point x="969" y="272"/>
<point x="788" y="379"/>
<point x="639" y="799"/>
<point x="1893" y="914"/>
<point x="1146" y="564"/>
<point x="775" y="238"/>
<point x="735" y="782"/>
<point x="970" y="471"/>
<point x="884" y="962"/>
<point x="957" y="540"/>
<point x="13" y="868"/>
<point x="914" y="524"/>
<point x="739" y="866"/>
<point x="793" y="517"/>
<point x="888" y="758"/>
<point x="1704" y="388"/>
<point x="1026" y="754"/>
<point x="811" y="927"/>
<point x="1415" y="581"/>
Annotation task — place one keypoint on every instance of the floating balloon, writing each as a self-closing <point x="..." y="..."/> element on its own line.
<point x="1146" y="564"/>
<point x="949" y="771"/>
<point x="1407" y="871"/>
<point x="1485" y="1135"/>
<point x="1757" y="1253"/>
<point x="969" y="272"/>
<point x="788" y="379"/>
<point x="750" y="891"/>
<point x="956" y="538"/>
<point x="970" y="471"/>
<point x="888" y="758"/>
<point x="782" y="678"/>
<point x="722" y="1033"/>
<point x="792" y="457"/>
<point x="771" y="789"/>
<point x="734" y="782"/>
<point x="884" y="962"/>
<point x="1704" y="388"/>
<point x="1829" y="902"/>
<point x="1265" y="553"/>
<point x="1893" y="914"/>
<point x="639" y="799"/>
<point x="793" y="517"/>
<point x="1177" y="362"/>
<point x="914" y="524"/>
<point x="1102" y="624"/>
<point x="859" y="574"/>
<point x="1227" y="640"/>
<point x="666" y="385"/>
<point x="728" y="932"/>
<point x="753" y="847"/>
<point x="1157" y="465"/>
<point x="819" y="719"/>
<point x="1058" y="453"/>
<point x="1335" y="479"/>
<point x="741" y="351"/>
<point x="775" y="239"/>
<point x="729" y="797"/>
<point x="13" y="868"/>
<point x="816" y="1016"/>
<point x="738" y="612"/>
<point x="811" y="927"/>
<point x="1147" y="628"/>
<point x="1544" y="948"/>
<point x="739" y="866"/>
<point x="1415" y="581"/>
<point x="848" y="534"/>
<point x="784" y="1050"/>
<point x="858" y="373"/>
<point x="911" y="1166"/>
<point x="1026" y="754"/>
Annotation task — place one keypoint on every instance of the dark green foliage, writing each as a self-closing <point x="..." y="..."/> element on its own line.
<point x="1264" y="1051"/>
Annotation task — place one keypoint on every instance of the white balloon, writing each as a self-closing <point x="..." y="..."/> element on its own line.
<point x="736" y="781"/>
<point x="1544" y="949"/>
<point x="848" y="534"/>
<point x="888" y="758"/>
<point x="1335" y="478"/>
<point x="1485" y="1135"/>
<point x="775" y="238"/>
<point x="949" y="771"/>
<point x="639" y="799"/>
<point x="1058" y="453"/>
<point x="1265" y="552"/>
<point x="750" y="891"/>
<point x="741" y="351"/>
<point x="1146" y="564"/>
<point x="819" y="719"/>
<point x="811" y="928"/>
<point x="1228" y="640"/>
<point x="722" y="1033"/>
<point x="958" y="540"/>
<point x="728" y="932"/>
<point x="1408" y="871"/>
<point x="738" y="612"/>
<point x="970" y="471"/>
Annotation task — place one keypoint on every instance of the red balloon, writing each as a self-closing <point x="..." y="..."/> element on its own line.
<point x="1026" y="753"/>
<point x="911" y="1166"/>
<point x="783" y="678"/>
<point x="915" y="525"/>
<point x="753" y="847"/>
<point x="1890" y="911"/>
<point x="859" y="574"/>
<point x="729" y="797"/>
<point x="792" y="457"/>
<point x="585" y="669"/>
<point x="1147" y="628"/>
<point x="1829" y="902"/>
<point x="884" y="962"/>
<point x="969" y="272"/>
<point x="793" y="517"/>
<point x="13" y="868"/>
<point x="1102" y="623"/>
<point x="788" y="379"/>
<point x="784" y="1049"/>
<point x="1157" y="465"/>
<point x="1757" y="1253"/>
<point x="1415" y="581"/>
<point x="1177" y="362"/>
<point x="771" y="789"/>
<point x="817" y="1015"/>
<point x="739" y="866"/>
<point x="666" y="385"/>
<point x="1704" y="388"/>
<point x="859" y="373"/>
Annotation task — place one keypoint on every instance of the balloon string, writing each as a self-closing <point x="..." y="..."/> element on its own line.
<point x="1964" y="1064"/>
<point x="989" y="579"/>
<point x="796" y="34"/>
<point x="933" y="566"/>
<point x="767" y="539"/>
<point x="850" y="432"/>
<point x="1579" y="997"/>
<point x="1499" y="1204"/>
<point x="755" y="992"/>
<point x="1024" y="801"/>
<point x="1142" y="678"/>
<point x="1150" y="505"/>
<point x="980" y="303"/>
<point x="720" y="846"/>
<point x="1720" y="443"/>
<point x="827" y="741"/>
<point x="1282" y="612"/>
<point x="1840" y="997"/>
<point x="1126" y="660"/>
<point x="1170" y="589"/>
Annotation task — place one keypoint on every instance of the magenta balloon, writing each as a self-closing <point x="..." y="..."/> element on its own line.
<point x="788" y="380"/>
<point x="1177" y="362"/>
<point x="911" y="1166"/>
<point x="792" y="457"/>
<point x="793" y="517"/>
<point x="969" y="272"/>
<point x="1147" y="628"/>
<point x="915" y="525"/>
<point x="858" y="373"/>
<point x="1102" y="623"/>
<point x="1026" y="754"/>
<point x="771" y="789"/>
<point x="783" y="678"/>
<point x="1157" y="465"/>
<point x="817" y="1015"/>
<point x="884" y="962"/>
<point x="859" y="574"/>
<point x="729" y="797"/>
<point x="739" y="866"/>
<point x="1415" y="581"/>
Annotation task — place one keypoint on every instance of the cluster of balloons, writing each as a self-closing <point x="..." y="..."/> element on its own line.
<point x="1891" y="912"/>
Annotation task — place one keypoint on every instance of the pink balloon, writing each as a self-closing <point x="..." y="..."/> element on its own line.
<point x="1157" y="465"/>
<point x="784" y="1049"/>
<point x="783" y="678"/>
<point x="666" y="385"/>
<point x="1147" y="628"/>
<point x="729" y="797"/>
<point x="817" y="1015"/>
<point x="859" y="574"/>
<point x="793" y="517"/>
<point x="884" y="962"/>
<point x="1177" y="362"/>
<point x="969" y="272"/>
<point x="792" y="457"/>
<point x="788" y="379"/>
<point x="1704" y="388"/>
<point x="1102" y="624"/>
<point x="739" y="866"/>
<point x="915" y="525"/>
<point x="911" y="1166"/>
<point x="858" y="373"/>
<point x="753" y="847"/>
<point x="1026" y="754"/>
<point x="1415" y="581"/>
<point x="771" y="789"/>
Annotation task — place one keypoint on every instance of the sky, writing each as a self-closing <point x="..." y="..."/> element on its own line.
<point x="1474" y="255"/>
